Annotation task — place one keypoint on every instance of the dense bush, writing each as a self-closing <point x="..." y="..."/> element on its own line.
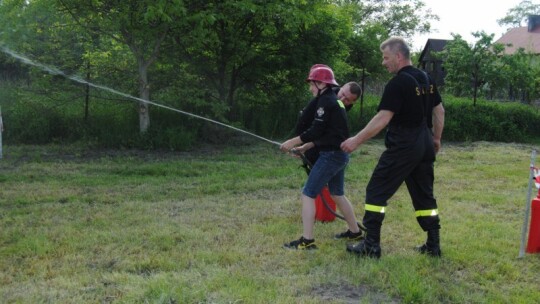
<point x="487" y="121"/>
<point x="490" y="121"/>
<point x="30" y="120"/>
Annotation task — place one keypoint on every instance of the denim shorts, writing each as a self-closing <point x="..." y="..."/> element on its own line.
<point x="329" y="169"/>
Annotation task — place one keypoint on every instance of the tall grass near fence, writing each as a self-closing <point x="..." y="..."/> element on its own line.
<point x="206" y="226"/>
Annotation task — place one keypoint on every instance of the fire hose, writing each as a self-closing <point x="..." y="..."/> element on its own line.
<point x="309" y="165"/>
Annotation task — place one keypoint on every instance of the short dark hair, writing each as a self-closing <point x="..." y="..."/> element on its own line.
<point x="355" y="88"/>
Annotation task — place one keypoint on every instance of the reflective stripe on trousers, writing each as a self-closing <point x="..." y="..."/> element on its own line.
<point x="430" y="212"/>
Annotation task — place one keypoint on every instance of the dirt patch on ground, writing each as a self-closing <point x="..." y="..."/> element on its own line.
<point x="350" y="294"/>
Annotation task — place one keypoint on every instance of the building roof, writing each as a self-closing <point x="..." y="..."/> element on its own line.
<point x="521" y="37"/>
<point x="432" y="45"/>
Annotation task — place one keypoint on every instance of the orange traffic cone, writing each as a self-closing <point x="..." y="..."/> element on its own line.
<point x="533" y="245"/>
<point x="322" y="213"/>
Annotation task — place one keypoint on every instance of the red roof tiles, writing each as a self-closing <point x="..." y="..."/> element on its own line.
<point x="520" y="37"/>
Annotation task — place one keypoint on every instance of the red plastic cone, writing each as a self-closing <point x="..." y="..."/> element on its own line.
<point x="533" y="245"/>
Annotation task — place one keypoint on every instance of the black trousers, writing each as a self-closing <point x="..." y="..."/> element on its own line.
<point x="409" y="158"/>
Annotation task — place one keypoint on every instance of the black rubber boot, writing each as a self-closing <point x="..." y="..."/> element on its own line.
<point x="432" y="246"/>
<point x="368" y="247"/>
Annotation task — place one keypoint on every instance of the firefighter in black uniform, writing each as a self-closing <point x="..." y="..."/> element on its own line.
<point x="412" y="109"/>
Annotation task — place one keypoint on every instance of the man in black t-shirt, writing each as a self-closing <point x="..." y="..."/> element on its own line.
<point x="411" y="107"/>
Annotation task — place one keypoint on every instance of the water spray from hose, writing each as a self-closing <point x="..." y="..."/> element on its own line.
<point x="56" y="71"/>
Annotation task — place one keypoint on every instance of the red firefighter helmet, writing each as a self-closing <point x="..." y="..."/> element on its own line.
<point x="322" y="73"/>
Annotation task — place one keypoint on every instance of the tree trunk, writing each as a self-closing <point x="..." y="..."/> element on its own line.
<point x="87" y="92"/>
<point x="474" y="94"/>
<point x="144" y="87"/>
<point x="363" y="82"/>
<point x="475" y="89"/>
<point x="234" y="112"/>
<point x="144" y="94"/>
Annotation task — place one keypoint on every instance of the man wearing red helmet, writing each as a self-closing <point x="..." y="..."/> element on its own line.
<point x="328" y="128"/>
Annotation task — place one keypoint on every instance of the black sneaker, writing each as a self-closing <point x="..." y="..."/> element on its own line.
<point x="301" y="244"/>
<point x="364" y="250"/>
<point x="434" y="252"/>
<point x="349" y="235"/>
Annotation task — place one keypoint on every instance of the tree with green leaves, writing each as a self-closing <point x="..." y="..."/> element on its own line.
<point x="373" y="21"/>
<point x="142" y="26"/>
<point x="522" y="67"/>
<point x="518" y="15"/>
<point x="468" y="66"/>
<point x="242" y="62"/>
<point x="495" y="79"/>
<point x="37" y="30"/>
<point x="522" y="76"/>
<point x="251" y="56"/>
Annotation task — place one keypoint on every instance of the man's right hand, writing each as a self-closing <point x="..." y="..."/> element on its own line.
<point x="349" y="145"/>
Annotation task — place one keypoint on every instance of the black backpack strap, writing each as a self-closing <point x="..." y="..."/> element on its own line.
<point x="425" y="90"/>
<point x="425" y="86"/>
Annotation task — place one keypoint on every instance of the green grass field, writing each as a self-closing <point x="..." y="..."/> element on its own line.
<point x="82" y="226"/>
